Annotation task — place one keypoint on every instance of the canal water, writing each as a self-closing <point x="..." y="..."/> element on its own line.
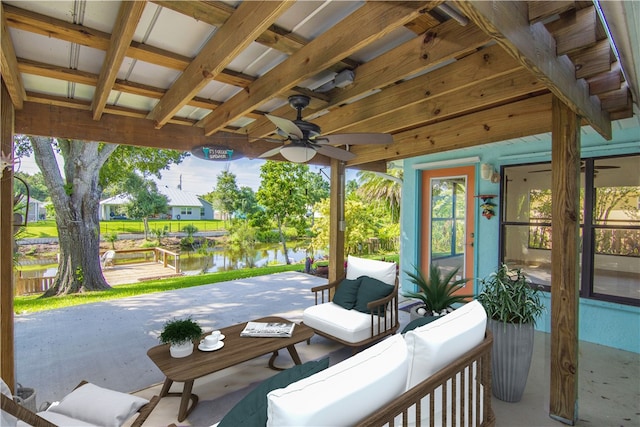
<point x="212" y="260"/>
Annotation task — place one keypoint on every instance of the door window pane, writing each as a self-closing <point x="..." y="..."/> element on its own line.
<point x="448" y="215"/>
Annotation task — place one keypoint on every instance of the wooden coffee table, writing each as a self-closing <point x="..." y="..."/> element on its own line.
<point x="236" y="350"/>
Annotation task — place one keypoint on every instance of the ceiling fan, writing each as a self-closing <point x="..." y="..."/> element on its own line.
<point x="303" y="139"/>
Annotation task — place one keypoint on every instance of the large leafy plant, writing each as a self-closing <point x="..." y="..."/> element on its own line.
<point x="437" y="292"/>
<point x="509" y="297"/>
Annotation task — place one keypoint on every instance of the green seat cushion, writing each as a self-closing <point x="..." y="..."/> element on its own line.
<point x="370" y="290"/>
<point x="419" y="322"/>
<point x="346" y="293"/>
<point x="252" y="410"/>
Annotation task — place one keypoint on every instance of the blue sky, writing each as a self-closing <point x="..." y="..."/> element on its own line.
<point x="198" y="175"/>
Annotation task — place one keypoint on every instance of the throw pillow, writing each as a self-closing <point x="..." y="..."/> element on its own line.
<point x="252" y="409"/>
<point x="347" y="293"/>
<point x="370" y="290"/>
<point x="99" y="406"/>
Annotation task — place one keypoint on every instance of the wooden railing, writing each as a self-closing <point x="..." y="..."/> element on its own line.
<point x="32" y="285"/>
<point x="165" y="256"/>
<point x="36" y="285"/>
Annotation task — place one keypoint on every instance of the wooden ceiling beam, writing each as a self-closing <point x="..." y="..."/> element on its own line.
<point x="9" y="67"/>
<point x="368" y="113"/>
<point x="123" y="31"/>
<point x="90" y="37"/>
<point x="574" y="30"/>
<point x="77" y="76"/>
<point x="469" y="98"/>
<point x="542" y="10"/>
<point x="243" y="26"/>
<point x="441" y="44"/>
<point x="592" y="61"/>
<point x="523" y="118"/>
<point x="507" y="22"/>
<point x="617" y="100"/>
<point x="216" y="14"/>
<point x="53" y="120"/>
<point x="369" y="23"/>
<point x="606" y="82"/>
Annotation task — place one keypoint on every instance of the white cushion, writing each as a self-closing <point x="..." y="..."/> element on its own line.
<point x="435" y="345"/>
<point x="99" y="406"/>
<point x="349" y="325"/>
<point x="6" y="419"/>
<point x="345" y="393"/>
<point x="381" y="270"/>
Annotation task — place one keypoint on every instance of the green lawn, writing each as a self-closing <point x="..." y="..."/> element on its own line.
<point x="47" y="228"/>
<point x="33" y="303"/>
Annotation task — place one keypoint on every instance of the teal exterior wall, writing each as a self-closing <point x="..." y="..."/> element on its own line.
<point x="605" y="323"/>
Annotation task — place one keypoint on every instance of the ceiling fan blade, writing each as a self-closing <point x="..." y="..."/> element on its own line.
<point x="285" y="125"/>
<point x="270" y="153"/>
<point x="334" y="152"/>
<point x="355" y="139"/>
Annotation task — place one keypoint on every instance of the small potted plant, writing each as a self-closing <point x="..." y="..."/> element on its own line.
<point x="180" y="334"/>
<point x="512" y="304"/>
<point x="437" y="293"/>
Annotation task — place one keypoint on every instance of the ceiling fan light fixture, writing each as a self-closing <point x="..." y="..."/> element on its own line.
<point x="297" y="153"/>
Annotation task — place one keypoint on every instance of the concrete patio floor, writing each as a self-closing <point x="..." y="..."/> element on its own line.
<point x="106" y="343"/>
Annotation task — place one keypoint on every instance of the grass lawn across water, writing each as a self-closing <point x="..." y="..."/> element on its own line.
<point x="33" y="303"/>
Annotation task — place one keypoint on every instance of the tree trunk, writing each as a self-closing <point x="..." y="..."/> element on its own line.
<point x="145" y="222"/>
<point x="284" y="242"/>
<point x="76" y="199"/>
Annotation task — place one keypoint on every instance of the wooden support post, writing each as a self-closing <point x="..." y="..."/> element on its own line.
<point x="565" y="223"/>
<point x="7" y="366"/>
<point x="336" y="221"/>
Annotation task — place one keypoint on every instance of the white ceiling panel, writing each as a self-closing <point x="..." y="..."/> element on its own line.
<point x="193" y="113"/>
<point x="168" y="32"/>
<point x="388" y="42"/>
<point x="308" y="19"/>
<point x="248" y="57"/>
<point x="39" y="48"/>
<point x="149" y="74"/>
<point x="273" y="104"/>
<point x="100" y="15"/>
<point x="62" y="10"/>
<point x="136" y="102"/>
<point x="265" y="63"/>
<point x="90" y="59"/>
<point x="44" y="85"/>
<point x="83" y="92"/>
<point x="217" y="91"/>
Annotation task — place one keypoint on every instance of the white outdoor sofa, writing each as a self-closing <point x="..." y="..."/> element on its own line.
<point x="436" y="375"/>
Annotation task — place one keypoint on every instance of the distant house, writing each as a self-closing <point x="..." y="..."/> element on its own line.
<point x="37" y="210"/>
<point x="182" y="205"/>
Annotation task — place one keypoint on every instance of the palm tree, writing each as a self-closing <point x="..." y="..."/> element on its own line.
<point x="385" y="187"/>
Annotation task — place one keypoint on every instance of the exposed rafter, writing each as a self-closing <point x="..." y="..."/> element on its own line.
<point x="9" y="67"/>
<point x="245" y="24"/>
<point x="125" y="27"/>
<point x="532" y="45"/>
<point x="369" y="23"/>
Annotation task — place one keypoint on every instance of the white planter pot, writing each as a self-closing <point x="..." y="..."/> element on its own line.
<point x="181" y="350"/>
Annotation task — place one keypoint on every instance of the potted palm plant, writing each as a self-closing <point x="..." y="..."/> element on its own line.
<point x="512" y="304"/>
<point x="180" y="334"/>
<point x="437" y="293"/>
